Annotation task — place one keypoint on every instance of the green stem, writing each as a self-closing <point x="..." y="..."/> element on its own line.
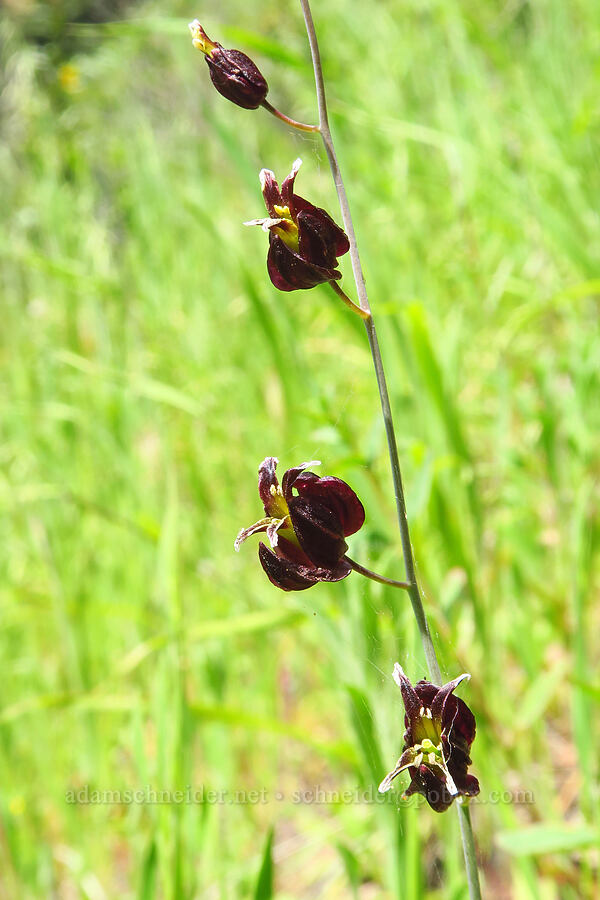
<point x="292" y="122"/>
<point x="375" y="577"/>
<point x="409" y="563"/>
<point x="470" y="854"/>
<point x="413" y="589"/>
<point x="414" y="592"/>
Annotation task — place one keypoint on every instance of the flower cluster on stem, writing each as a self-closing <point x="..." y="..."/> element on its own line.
<point x="307" y="518"/>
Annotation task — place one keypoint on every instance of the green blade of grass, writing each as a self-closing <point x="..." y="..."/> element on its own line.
<point x="264" y="883"/>
<point x="539" y="839"/>
<point x="364" y="729"/>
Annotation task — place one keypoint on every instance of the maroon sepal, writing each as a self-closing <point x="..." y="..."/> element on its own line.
<point x="291" y="576"/>
<point x="316" y="225"/>
<point x="319" y="531"/>
<point x="266" y="480"/>
<point x="236" y="77"/>
<point x="336" y="495"/>
<point x="433" y="787"/>
<point x="290" y="271"/>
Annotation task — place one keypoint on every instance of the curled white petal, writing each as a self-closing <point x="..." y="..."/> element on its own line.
<point x="385" y="785"/>
<point x="265" y="224"/>
<point x="309" y="465"/>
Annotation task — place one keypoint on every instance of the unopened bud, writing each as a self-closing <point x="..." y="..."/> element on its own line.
<point x="232" y="72"/>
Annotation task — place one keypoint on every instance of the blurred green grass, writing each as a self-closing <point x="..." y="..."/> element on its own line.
<point x="147" y="366"/>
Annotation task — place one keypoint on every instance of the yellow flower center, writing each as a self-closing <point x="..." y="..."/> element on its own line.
<point x="287" y="230"/>
<point x="278" y="509"/>
<point x="426" y="728"/>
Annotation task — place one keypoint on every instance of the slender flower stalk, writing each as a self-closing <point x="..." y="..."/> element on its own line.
<point x="381" y="579"/>
<point x="349" y="303"/>
<point x="291" y="122"/>
<point x="413" y="588"/>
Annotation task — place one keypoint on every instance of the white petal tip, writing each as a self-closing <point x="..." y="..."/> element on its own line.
<point x="398" y="674"/>
<point x="263" y="174"/>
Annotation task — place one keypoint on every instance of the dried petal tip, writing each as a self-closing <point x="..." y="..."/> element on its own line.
<point x="200" y="39"/>
<point x="440" y="729"/>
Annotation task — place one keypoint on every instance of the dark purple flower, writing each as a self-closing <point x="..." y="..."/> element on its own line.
<point x="304" y="241"/>
<point x="306" y="521"/>
<point x="440" y="729"/>
<point x="233" y="73"/>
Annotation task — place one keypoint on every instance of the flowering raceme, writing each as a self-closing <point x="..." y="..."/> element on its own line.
<point x="440" y="729"/>
<point x="304" y="241"/>
<point x="307" y="518"/>
<point x="232" y="72"/>
<point x="306" y="521"/>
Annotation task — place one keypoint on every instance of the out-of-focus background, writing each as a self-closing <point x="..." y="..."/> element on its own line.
<point x="148" y="366"/>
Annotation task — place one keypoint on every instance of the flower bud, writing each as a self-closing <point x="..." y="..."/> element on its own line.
<point x="233" y="73"/>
